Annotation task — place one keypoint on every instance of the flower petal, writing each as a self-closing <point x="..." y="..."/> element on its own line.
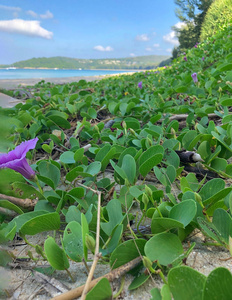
<point x="19" y="152"/>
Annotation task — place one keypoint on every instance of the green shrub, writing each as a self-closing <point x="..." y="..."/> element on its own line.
<point x="219" y="14"/>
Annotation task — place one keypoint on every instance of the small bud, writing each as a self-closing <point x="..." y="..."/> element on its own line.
<point x="145" y="199"/>
<point x="29" y="253"/>
<point x="90" y="242"/>
<point x="149" y="141"/>
<point x="147" y="262"/>
<point x="96" y="128"/>
<point x="132" y="131"/>
<point x="123" y="124"/>
<point x="148" y="191"/>
<point x="220" y="89"/>
<point x="39" y="250"/>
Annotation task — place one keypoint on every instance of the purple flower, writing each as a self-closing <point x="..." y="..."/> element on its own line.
<point x="140" y="85"/>
<point x="203" y="58"/>
<point x="16" y="159"/>
<point x="194" y="77"/>
<point x="185" y="58"/>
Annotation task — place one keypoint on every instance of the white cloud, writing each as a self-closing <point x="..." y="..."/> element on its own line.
<point x="47" y="15"/>
<point x="149" y="49"/>
<point x="169" y="50"/>
<point x="179" y="25"/>
<point x="156" y="45"/>
<point x="32" y="13"/>
<point x="171" y="36"/>
<point x="132" y="54"/>
<point x="101" y="48"/>
<point x="12" y="8"/>
<point x="143" y="37"/>
<point x="31" y="28"/>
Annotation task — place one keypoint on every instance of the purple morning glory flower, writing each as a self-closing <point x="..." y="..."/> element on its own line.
<point x="140" y="85"/>
<point x="194" y="77"/>
<point x="203" y="58"/>
<point x="16" y="159"/>
<point x="185" y="58"/>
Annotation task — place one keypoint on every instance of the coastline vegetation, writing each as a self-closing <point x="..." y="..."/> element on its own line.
<point x="139" y="62"/>
<point x="109" y="156"/>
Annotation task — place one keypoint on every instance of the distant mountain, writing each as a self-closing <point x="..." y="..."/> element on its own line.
<point x="138" y="62"/>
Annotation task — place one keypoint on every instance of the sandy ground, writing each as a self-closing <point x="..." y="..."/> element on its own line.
<point x="14" y="83"/>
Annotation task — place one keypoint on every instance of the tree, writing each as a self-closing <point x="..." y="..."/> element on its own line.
<point x="192" y="13"/>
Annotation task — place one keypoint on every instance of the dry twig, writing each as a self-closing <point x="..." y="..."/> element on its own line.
<point x="116" y="273"/>
<point x="25" y="203"/>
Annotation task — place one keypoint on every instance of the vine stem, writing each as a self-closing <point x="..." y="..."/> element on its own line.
<point x="97" y="254"/>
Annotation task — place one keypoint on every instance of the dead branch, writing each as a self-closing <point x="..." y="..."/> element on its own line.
<point x="184" y="116"/>
<point x="110" y="276"/>
<point x="24" y="203"/>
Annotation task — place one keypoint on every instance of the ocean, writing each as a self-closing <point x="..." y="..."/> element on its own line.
<point x="52" y="73"/>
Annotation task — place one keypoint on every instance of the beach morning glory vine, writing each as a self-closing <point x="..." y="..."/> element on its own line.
<point x="16" y="159"/>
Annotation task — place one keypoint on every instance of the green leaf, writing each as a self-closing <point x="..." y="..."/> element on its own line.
<point x="60" y="121"/>
<point x="184" y="212"/>
<point x="55" y="255"/>
<point x="138" y="281"/>
<point x="49" y="173"/>
<point x="78" y="155"/>
<point x="104" y="155"/>
<point x="218" y="285"/>
<point x="186" y="283"/>
<point x="85" y="230"/>
<point x="164" y="224"/>
<point x="102" y="290"/>
<point x="129" y="167"/>
<point x="73" y="214"/>
<point x="94" y="168"/>
<point x="11" y="206"/>
<point x="164" y="247"/>
<point x="46" y="222"/>
<point x="219" y="164"/>
<point x="223" y="222"/>
<point x="150" y="158"/>
<point x="210" y="229"/>
<point x="73" y="242"/>
<point x="224" y="67"/>
<point x="22" y="219"/>
<point x="126" y="252"/>
<point x="23" y="190"/>
<point x="67" y="157"/>
<point x="226" y="101"/>
<point x="114" y="210"/>
<point x="211" y="188"/>
<point x="113" y="243"/>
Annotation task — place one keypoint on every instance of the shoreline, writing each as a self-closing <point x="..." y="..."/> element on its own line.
<point x="14" y="83"/>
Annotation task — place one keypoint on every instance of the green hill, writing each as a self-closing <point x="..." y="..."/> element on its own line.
<point x="139" y="62"/>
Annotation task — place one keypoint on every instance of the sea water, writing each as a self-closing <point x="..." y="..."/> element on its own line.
<point x="52" y="73"/>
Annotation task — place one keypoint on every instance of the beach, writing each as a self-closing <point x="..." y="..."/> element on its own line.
<point x="14" y="83"/>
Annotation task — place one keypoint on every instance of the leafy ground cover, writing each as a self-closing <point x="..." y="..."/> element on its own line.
<point x="165" y="137"/>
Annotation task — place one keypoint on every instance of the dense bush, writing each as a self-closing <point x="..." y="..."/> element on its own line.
<point x="219" y="14"/>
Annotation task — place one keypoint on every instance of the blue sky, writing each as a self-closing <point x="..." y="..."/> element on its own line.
<point x="85" y="28"/>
